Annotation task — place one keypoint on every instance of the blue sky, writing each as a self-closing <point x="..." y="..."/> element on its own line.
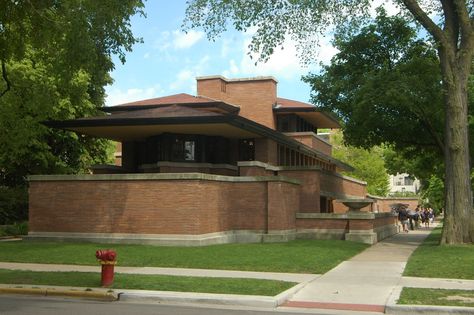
<point x="169" y="60"/>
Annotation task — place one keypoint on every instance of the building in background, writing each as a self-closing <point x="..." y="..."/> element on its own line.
<point x="404" y="183"/>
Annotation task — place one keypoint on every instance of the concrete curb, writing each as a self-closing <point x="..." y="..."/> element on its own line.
<point x="66" y="292"/>
<point x="210" y="298"/>
<point x="198" y="298"/>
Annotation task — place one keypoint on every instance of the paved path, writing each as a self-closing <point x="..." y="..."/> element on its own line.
<point x="364" y="282"/>
<point x="291" y="277"/>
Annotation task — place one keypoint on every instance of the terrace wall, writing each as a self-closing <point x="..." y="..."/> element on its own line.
<point x="154" y="205"/>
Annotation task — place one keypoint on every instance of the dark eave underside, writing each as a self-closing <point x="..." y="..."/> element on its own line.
<point x="101" y="127"/>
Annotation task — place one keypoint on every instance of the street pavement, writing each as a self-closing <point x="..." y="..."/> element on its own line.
<point x="368" y="283"/>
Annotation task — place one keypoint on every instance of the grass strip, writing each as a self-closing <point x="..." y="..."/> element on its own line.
<point x="432" y="260"/>
<point x="424" y="296"/>
<point x="149" y="282"/>
<point x="299" y="256"/>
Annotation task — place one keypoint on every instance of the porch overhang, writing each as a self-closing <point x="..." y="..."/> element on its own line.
<point x="311" y="115"/>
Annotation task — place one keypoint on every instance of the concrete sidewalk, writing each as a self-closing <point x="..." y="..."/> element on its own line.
<point x="364" y="282"/>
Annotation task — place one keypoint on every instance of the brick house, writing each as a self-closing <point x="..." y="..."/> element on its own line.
<point x="236" y="163"/>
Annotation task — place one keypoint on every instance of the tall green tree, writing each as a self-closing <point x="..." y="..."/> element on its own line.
<point x="369" y="164"/>
<point x="55" y="61"/>
<point x="449" y="23"/>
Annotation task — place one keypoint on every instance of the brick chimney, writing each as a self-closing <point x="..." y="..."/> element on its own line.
<point x="255" y="96"/>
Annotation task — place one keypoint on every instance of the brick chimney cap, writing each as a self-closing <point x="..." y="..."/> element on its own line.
<point x="261" y="78"/>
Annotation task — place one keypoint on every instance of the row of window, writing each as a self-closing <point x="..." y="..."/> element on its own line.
<point x="293" y="123"/>
<point x="193" y="148"/>
<point x="289" y="157"/>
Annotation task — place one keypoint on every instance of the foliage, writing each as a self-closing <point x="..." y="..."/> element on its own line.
<point x="15" y="229"/>
<point x="431" y="260"/>
<point x="433" y="193"/>
<point x="369" y="164"/>
<point x="403" y="194"/>
<point x="385" y="86"/>
<point x="13" y="204"/>
<point x="274" y="20"/>
<point x="314" y="256"/>
<point x="55" y="61"/>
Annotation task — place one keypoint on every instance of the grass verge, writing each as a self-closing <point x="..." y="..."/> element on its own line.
<point x="432" y="260"/>
<point x="424" y="296"/>
<point x="149" y="282"/>
<point x="299" y="256"/>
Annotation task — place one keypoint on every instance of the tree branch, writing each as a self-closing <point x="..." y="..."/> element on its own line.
<point x="425" y="20"/>
<point x="451" y="22"/>
<point x="467" y="30"/>
<point x="5" y="78"/>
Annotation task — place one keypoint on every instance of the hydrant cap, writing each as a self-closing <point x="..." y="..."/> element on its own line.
<point x="106" y="255"/>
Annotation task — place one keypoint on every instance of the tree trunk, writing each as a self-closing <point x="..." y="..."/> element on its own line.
<point x="459" y="215"/>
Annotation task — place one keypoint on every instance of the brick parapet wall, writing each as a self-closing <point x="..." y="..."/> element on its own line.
<point x="382" y="204"/>
<point x="311" y="140"/>
<point x="161" y="206"/>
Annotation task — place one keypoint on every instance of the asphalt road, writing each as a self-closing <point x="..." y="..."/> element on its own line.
<point x="26" y="305"/>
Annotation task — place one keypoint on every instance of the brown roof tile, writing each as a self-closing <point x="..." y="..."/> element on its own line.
<point x="284" y="102"/>
<point x="171" y="99"/>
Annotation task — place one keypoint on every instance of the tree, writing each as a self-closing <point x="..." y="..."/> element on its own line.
<point x="55" y="61"/>
<point x="451" y="28"/>
<point x="368" y="163"/>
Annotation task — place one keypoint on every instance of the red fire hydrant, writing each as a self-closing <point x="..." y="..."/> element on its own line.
<point x="107" y="259"/>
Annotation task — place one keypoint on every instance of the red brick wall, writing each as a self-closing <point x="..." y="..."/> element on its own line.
<point x="383" y="205"/>
<point x="312" y="141"/>
<point x="283" y="203"/>
<point x="255" y="97"/>
<point x="266" y="151"/>
<point x="159" y="206"/>
<point x="310" y="187"/>
<point x="322" y="224"/>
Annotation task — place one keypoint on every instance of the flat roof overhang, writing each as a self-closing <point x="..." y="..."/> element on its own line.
<point x="310" y="114"/>
<point x="229" y="126"/>
<point x="129" y="129"/>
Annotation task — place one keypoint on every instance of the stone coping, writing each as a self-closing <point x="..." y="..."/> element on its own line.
<point x="188" y="165"/>
<point x="270" y="167"/>
<point x="307" y="133"/>
<point x="337" y="196"/>
<point x="352" y="215"/>
<point x="355" y="200"/>
<point x="355" y="180"/>
<point x="393" y="198"/>
<point x="163" y="176"/>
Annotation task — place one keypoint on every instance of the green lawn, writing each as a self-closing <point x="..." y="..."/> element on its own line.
<point x="441" y="261"/>
<point x="423" y="296"/>
<point x="300" y="256"/>
<point x="148" y="282"/>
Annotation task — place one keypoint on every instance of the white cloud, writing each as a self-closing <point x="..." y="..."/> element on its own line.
<point x="177" y="40"/>
<point x="185" y="78"/>
<point x="116" y="96"/>
<point x="183" y="40"/>
<point x="284" y="63"/>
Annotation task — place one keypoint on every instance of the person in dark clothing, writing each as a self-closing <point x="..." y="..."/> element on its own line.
<point x="403" y="217"/>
